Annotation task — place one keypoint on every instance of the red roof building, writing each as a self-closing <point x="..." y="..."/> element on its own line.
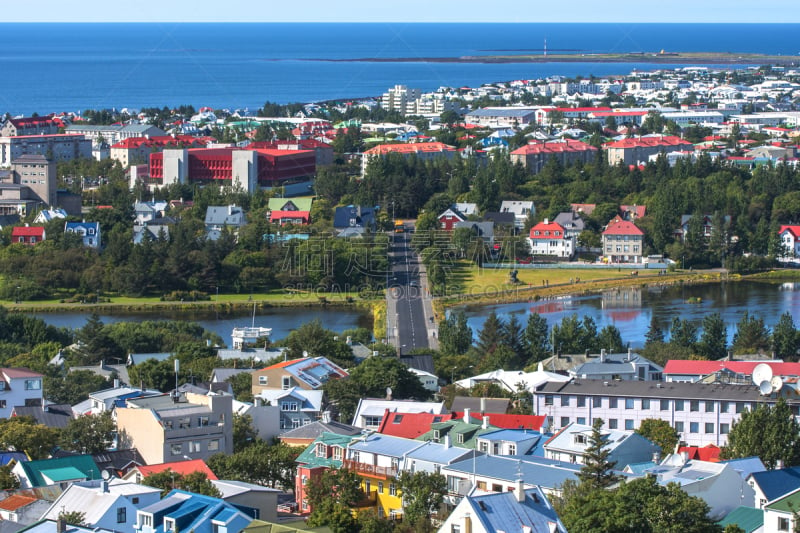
<point x="135" y="150"/>
<point x="289" y="217"/>
<point x="623" y="242"/>
<point x="535" y="155"/>
<point x="250" y="169"/>
<point x="29" y="126"/>
<point x="550" y="239"/>
<point x="690" y="370"/>
<point x="790" y="238"/>
<point x="633" y="151"/>
<point x="179" y="467"/>
<point x="28" y="234"/>
<point x="709" y="452"/>
<point x="426" y="151"/>
<point x="410" y="425"/>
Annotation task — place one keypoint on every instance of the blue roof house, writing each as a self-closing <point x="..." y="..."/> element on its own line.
<point x="88" y="231"/>
<point x="773" y="484"/>
<point x="186" y="511"/>
<point x="517" y="510"/>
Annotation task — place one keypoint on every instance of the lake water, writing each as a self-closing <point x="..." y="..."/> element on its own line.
<point x="282" y="321"/>
<point x="631" y="310"/>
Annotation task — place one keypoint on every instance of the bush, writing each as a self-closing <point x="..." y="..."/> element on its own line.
<point x="186" y="296"/>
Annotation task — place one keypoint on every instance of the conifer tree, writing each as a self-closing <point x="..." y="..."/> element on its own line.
<point x="597" y="470"/>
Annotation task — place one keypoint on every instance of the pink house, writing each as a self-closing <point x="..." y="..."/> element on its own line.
<point x="623" y="242"/>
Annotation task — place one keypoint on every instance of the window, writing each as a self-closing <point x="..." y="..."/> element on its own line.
<point x="397" y="419"/>
<point x="194" y="446"/>
<point x="286" y="382"/>
<point x="694" y="427"/>
<point x="548" y="399"/>
<point x="679" y="427"/>
<point x="355" y="457"/>
<point x="612" y="423"/>
<point x="213" y="445"/>
<point x="597" y="401"/>
<point x="322" y="450"/>
<point x="582" y="420"/>
<point x="709" y="427"/>
<point x="740" y="407"/>
<point x="454" y="528"/>
<point x="380" y="487"/>
<point x="483" y="446"/>
<point x="783" y="524"/>
<point x="724" y="429"/>
<point x="337" y="453"/>
<point x="291" y="406"/>
<point x="612" y="403"/>
<point x="176" y="449"/>
<point x="694" y="405"/>
<point x="295" y="423"/>
<point x="496" y="448"/>
<point x="392" y="489"/>
<point x="2" y="385"/>
<point x="645" y="403"/>
<point x="367" y="486"/>
<point x="263" y="380"/>
<point x="629" y="424"/>
<point x="564" y="401"/>
<point x="2" y="404"/>
<point x="629" y="403"/>
<point x="581" y="401"/>
<point x="709" y="406"/>
<point x="564" y="421"/>
<point x="663" y="405"/>
<point x="724" y="407"/>
<point x="679" y="405"/>
<point x="33" y="384"/>
<point x="202" y="421"/>
<point x="122" y="515"/>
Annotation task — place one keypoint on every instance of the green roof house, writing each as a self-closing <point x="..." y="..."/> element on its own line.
<point x="62" y="470"/>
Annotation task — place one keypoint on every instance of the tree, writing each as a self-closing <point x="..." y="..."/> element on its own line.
<point x="491" y="334"/>
<point x="654" y="332"/>
<point x="72" y="387"/>
<point x="331" y="496"/>
<point x="683" y="334"/>
<point x="610" y="339"/>
<point x="73" y="518"/>
<point x="23" y="434"/>
<point x="455" y="335"/>
<point x="89" y="434"/>
<point x="768" y="432"/>
<point x="785" y="338"/>
<point x="94" y="343"/>
<point x="168" y="479"/>
<point x="537" y="338"/>
<point x="751" y="335"/>
<point x="271" y="465"/>
<point x="423" y="494"/>
<point x="242" y="385"/>
<point x="660" y="432"/>
<point x="8" y="480"/>
<point x="597" y="470"/>
<point x="376" y="374"/>
<point x="713" y="342"/>
<point x="244" y="434"/>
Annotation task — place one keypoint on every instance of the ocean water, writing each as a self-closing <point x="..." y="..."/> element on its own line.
<point x="72" y="67"/>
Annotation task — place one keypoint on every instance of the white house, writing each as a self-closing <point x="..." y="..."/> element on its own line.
<point x="19" y="386"/>
<point x="89" y="232"/>
<point x="370" y="411"/>
<point x="549" y="238"/>
<point x="106" y="504"/>
<point x="522" y="210"/>
<point x="790" y="239"/>
<point x="625" y="447"/>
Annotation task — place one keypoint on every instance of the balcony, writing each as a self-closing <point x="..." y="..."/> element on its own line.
<point x="363" y="469"/>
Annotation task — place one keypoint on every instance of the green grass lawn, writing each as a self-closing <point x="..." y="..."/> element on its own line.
<point x="470" y="279"/>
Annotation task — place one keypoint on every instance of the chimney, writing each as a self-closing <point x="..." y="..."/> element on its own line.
<point x="685" y="457"/>
<point x="546" y="222"/>
<point x="466" y="415"/>
<point x="485" y="424"/>
<point x="657" y="457"/>
<point x="104" y="486"/>
<point x="630" y="353"/>
<point x="116" y="383"/>
<point x="326" y="417"/>
<point x="779" y="464"/>
<point x="467" y="523"/>
<point x="61" y="525"/>
<point x="446" y="441"/>
<point x="519" y="491"/>
<point x="349" y="340"/>
<point x="603" y="355"/>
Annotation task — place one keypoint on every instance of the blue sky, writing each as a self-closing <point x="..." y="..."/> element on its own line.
<point x="404" y="11"/>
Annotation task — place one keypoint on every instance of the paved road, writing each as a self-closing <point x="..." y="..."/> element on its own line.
<point x="409" y="310"/>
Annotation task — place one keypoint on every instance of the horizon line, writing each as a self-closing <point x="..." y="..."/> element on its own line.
<point x="385" y="22"/>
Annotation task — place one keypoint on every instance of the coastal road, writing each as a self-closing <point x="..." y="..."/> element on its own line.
<point x="409" y="310"/>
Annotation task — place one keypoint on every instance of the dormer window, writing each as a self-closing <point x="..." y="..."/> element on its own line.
<point x="337" y="453"/>
<point x="580" y="439"/>
<point x="436" y="435"/>
<point x="460" y="438"/>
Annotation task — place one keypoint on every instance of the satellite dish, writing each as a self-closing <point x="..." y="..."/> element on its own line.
<point x="777" y="383"/>
<point x="765" y="388"/>
<point x="106" y="474"/>
<point x="762" y="372"/>
<point x="388" y="392"/>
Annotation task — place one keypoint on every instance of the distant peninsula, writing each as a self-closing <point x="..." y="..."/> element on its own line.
<point x="700" y="58"/>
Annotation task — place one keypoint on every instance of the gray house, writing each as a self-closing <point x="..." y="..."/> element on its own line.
<point x="220" y="217"/>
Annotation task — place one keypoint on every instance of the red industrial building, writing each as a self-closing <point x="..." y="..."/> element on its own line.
<point x="251" y="169"/>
